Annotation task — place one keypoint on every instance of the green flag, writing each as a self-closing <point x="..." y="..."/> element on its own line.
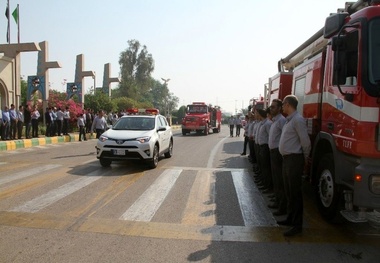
<point x="15" y="15"/>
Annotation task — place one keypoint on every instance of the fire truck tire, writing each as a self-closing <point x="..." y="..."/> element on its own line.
<point x="154" y="161"/>
<point x="169" y="153"/>
<point x="105" y="162"/>
<point x="215" y="130"/>
<point x="327" y="191"/>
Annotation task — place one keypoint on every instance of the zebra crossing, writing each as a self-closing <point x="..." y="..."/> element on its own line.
<point x="199" y="208"/>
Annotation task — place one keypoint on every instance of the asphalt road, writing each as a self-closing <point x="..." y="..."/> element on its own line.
<point x="57" y="204"/>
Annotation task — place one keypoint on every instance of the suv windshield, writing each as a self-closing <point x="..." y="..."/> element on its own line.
<point x="135" y="123"/>
<point x="374" y="51"/>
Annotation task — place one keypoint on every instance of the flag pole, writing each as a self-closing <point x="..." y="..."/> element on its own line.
<point x="18" y="23"/>
<point x="9" y="23"/>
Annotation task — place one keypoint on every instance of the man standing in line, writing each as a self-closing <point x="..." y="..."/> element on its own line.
<point x="20" y="122"/>
<point x="231" y="122"/>
<point x="66" y="119"/>
<point x="14" y="119"/>
<point x="264" y="155"/>
<point x="99" y="124"/>
<point x="238" y="125"/>
<point x="275" y="156"/>
<point x="246" y="136"/>
<point x="27" y="120"/>
<point x="89" y="119"/>
<point x="294" y="147"/>
<point x="6" y="124"/>
<point x="35" y="116"/>
<point x="59" y="121"/>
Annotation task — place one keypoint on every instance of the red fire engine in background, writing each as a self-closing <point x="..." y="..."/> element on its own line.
<point x="336" y="77"/>
<point x="201" y="118"/>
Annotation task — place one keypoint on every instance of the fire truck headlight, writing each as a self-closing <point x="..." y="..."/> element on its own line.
<point x="375" y="184"/>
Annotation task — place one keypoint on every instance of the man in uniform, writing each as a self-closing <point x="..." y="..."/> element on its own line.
<point x="294" y="147"/>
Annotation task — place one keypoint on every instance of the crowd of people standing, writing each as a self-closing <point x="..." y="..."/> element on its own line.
<point x="279" y="147"/>
<point x="57" y="120"/>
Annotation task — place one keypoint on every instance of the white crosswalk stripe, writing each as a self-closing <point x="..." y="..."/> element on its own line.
<point x="27" y="172"/>
<point x="201" y="199"/>
<point x="254" y="211"/>
<point x="149" y="202"/>
<point x="55" y="195"/>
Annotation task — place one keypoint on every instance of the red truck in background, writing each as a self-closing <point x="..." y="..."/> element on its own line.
<point x="336" y="77"/>
<point x="201" y="117"/>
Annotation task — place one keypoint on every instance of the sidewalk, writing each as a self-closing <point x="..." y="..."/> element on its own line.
<point x="42" y="140"/>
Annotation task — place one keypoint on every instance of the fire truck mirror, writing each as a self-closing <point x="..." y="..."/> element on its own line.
<point x="333" y="24"/>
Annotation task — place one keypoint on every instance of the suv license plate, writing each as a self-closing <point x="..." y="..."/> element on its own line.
<point x="119" y="152"/>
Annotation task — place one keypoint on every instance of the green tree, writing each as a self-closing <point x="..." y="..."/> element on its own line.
<point x="99" y="101"/>
<point x="136" y="66"/>
<point x="24" y="90"/>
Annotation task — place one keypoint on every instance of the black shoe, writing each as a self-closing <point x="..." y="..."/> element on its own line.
<point x="267" y="191"/>
<point x="293" y="231"/>
<point x="243" y="154"/>
<point x="284" y="222"/>
<point x="279" y="213"/>
<point x="273" y="206"/>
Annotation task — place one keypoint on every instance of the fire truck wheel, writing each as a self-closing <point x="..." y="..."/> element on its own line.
<point x="154" y="162"/>
<point x="105" y="162"/>
<point x="328" y="193"/>
<point x="169" y="153"/>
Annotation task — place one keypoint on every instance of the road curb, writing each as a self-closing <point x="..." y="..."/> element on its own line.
<point x="27" y="143"/>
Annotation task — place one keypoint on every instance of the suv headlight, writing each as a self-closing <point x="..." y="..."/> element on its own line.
<point x="103" y="138"/>
<point x="143" y="139"/>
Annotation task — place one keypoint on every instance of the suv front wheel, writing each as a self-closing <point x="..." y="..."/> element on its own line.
<point x="154" y="162"/>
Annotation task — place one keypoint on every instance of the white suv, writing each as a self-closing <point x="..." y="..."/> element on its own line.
<point x="136" y="137"/>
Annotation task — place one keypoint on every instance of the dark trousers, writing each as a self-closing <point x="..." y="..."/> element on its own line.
<point x="28" y="125"/>
<point x="34" y="127"/>
<point x="238" y="127"/>
<point x="82" y="133"/>
<point x="251" y="145"/>
<point x="20" y="124"/>
<point x="48" y="129"/>
<point x="257" y="153"/>
<point x="292" y="169"/>
<point x="265" y="166"/>
<point x="99" y="132"/>
<point x="246" y="140"/>
<point x="13" y="129"/>
<point x="88" y="126"/>
<point x="65" y="129"/>
<point x="278" y="180"/>
<point x="231" y="130"/>
<point x="5" y="131"/>
<point x="59" y="127"/>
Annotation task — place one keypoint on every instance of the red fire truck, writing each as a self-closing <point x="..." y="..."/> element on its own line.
<point x="336" y="77"/>
<point x="201" y="117"/>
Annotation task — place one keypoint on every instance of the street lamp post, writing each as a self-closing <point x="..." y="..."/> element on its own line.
<point x="167" y="103"/>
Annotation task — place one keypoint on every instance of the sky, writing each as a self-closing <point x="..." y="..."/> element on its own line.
<point x="221" y="52"/>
